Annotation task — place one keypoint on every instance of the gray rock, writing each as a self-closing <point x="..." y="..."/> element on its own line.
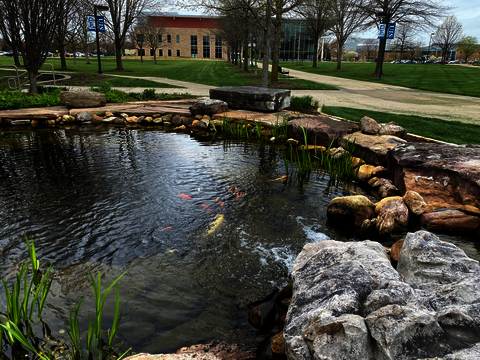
<point x="392" y="129"/>
<point x="321" y="130"/>
<point x="177" y="120"/>
<point x="252" y="98"/>
<point x="82" y="99"/>
<point x="369" y="126"/>
<point x="208" y="107"/>
<point x="332" y="280"/>
<point x="84" y="116"/>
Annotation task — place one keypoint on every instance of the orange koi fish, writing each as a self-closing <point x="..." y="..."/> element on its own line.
<point x="235" y="188"/>
<point x="167" y="228"/>
<point x="207" y="208"/>
<point x="230" y="190"/>
<point x="223" y="203"/>
<point x="240" y="193"/>
<point x="216" y="200"/>
<point x="184" y="196"/>
<point x="284" y="177"/>
<point x="238" y="196"/>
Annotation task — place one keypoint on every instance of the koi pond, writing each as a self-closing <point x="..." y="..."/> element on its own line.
<point x="201" y="225"/>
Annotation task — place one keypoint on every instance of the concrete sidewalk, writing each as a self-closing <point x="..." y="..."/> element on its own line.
<point x="361" y="95"/>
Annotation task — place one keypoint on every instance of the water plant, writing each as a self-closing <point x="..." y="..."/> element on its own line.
<point x="28" y="292"/>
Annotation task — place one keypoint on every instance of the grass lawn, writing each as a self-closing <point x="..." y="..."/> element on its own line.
<point x="450" y="131"/>
<point x="208" y="72"/>
<point x="452" y="79"/>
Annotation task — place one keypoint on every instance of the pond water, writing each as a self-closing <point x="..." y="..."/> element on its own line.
<point x="143" y="201"/>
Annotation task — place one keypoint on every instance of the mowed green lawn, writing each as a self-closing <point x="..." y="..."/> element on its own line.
<point x="208" y="72"/>
<point x="452" y="79"/>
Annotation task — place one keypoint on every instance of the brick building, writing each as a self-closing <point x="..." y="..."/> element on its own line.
<point x="188" y="36"/>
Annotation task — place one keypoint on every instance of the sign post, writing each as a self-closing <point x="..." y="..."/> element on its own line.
<point x="99" y="27"/>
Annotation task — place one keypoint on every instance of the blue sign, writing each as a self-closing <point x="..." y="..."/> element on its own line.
<point x="381" y="31"/>
<point x="101" y="24"/>
<point x="91" y="22"/>
<point x="391" y="31"/>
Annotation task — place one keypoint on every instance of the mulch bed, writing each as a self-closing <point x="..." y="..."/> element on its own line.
<point x="283" y="84"/>
<point x="252" y="76"/>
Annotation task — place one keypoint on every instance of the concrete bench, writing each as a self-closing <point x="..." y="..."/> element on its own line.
<point x="252" y="98"/>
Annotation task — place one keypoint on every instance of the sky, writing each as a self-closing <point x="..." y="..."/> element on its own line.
<point x="466" y="11"/>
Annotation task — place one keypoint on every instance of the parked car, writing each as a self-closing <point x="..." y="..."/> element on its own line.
<point x="8" y="53"/>
<point x="68" y="55"/>
<point x="2" y="53"/>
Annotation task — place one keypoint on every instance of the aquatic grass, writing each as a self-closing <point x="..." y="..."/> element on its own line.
<point x="74" y="331"/>
<point x="15" y="334"/>
<point x="213" y="126"/>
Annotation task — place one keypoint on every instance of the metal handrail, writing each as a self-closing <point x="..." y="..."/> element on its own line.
<point x="10" y="78"/>
<point x="16" y="80"/>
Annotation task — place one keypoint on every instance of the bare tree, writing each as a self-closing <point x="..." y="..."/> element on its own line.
<point x="153" y="34"/>
<point x="468" y="46"/>
<point x="404" y="38"/>
<point x="66" y="29"/>
<point x="348" y="18"/>
<point x="448" y="34"/>
<point x="140" y="35"/>
<point x="35" y="20"/>
<point x="123" y="14"/>
<point x="318" y="18"/>
<point x="419" y="12"/>
<point x="9" y="27"/>
<point x="369" y="48"/>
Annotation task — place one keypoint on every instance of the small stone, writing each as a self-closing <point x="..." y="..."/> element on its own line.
<point x="364" y="172"/>
<point x="395" y="251"/>
<point x="158" y="121"/>
<point x="35" y="122"/>
<point x="119" y="121"/>
<point x="50" y="122"/>
<point x="392" y="216"/>
<point x="338" y="153"/>
<point x="387" y="189"/>
<point x="108" y="114"/>
<point x="132" y="119"/>
<point x="140" y="118"/>
<point x="278" y="345"/>
<point x="195" y="122"/>
<point x="292" y="142"/>
<point x="124" y="115"/>
<point x="198" y="117"/>
<point x="263" y="316"/>
<point x="177" y="120"/>
<point x="369" y="126"/>
<point x="180" y="128"/>
<point x="167" y="123"/>
<point x="382" y="202"/>
<point x="68" y="118"/>
<point x="109" y="120"/>
<point x="415" y="202"/>
<point x="357" y="162"/>
<point x="450" y="219"/>
<point x="156" y="116"/>
<point x="187" y="120"/>
<point x="97" y="119"/>
<point x="372" y="181"/>
<point x="350" y="211"/>
<point x="149" y="118"/>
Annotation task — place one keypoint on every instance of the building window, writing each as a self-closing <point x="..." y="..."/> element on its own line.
<point x="169" y="52"/>
<point x="152" y="52"/>
<point x="169" y="39"/>
<point x="206" y="47"/>
<point x="178" y="52"/>
<point x="193" y="46"/>
<point x="218" y="47"/>
<point x="178" y="38"/>
<point x="160" y="52"/>
<point x="141" y="52"/>
<point x="160" y="38"/>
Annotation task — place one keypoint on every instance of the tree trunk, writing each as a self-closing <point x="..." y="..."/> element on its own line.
<point x="16" y="58"/>
<point x="32" y="79"/>
<point x="315" y="54"/>
<point x="245" y="51"/>
<point x="339" y="55"/>
<point x="87" y="58"/>
<point x="381" y="55"/>
<point x="155" y="57"/>
<point x="118" y="57"/>
<point x="266" y="49"/>
<point x="63" y="62"/>
<point x="141" y="55"/>
<point x="276" y="47"/>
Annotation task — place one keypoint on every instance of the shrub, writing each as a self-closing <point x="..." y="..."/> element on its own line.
<point x="303" y="102"/>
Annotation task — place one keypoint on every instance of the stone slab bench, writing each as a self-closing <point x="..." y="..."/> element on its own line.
<point x="252" y="98"/>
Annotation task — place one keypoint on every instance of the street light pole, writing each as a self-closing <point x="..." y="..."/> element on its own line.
<point x="101" y="8"/>
<point x="382" y="17"/>
<point x="429" y="42"/>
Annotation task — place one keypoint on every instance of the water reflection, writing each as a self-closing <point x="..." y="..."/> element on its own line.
<point x="105" y="199"/>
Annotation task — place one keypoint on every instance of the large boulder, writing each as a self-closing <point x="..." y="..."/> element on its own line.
<point x="208" y="107"/>
<point x="321" y="130"/>
<point x="444" y="175"/>
<point x="349" y="303"/>
<point x="252" y="98"/>
<point x="372" y="148"/>
<point x="82" y="99"/>
<point x="392" y="215"/>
